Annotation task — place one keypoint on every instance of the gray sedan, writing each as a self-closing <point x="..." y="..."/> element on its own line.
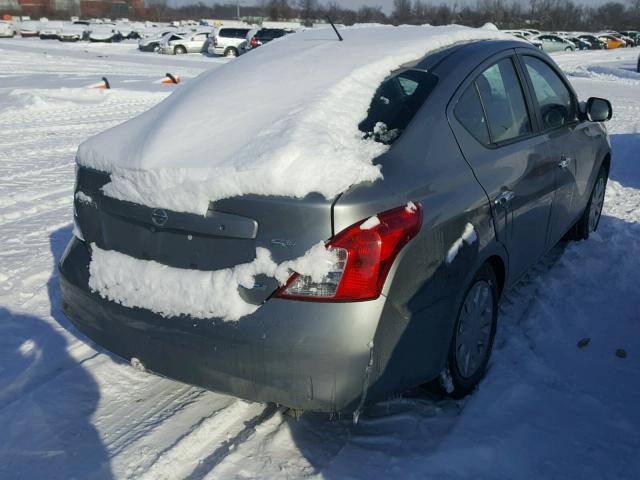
<point x="492" y="161"/>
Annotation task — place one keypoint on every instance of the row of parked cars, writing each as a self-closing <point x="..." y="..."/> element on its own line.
<point x="570" y="41"/>
<point x="227" y="41"/>
<point x="96" y="30"/>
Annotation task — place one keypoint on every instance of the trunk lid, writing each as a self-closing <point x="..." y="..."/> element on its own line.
<point x="227" y="235"/>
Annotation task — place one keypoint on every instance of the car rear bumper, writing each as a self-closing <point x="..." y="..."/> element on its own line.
<point x="306" y="355"/>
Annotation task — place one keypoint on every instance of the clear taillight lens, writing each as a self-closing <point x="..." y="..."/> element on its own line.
<point x="364" y="258"/>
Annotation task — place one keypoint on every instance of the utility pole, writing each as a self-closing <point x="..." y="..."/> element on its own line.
<point x="238" y="9"/>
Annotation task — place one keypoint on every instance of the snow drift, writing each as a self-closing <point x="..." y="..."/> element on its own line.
<point x="282" y="120"/>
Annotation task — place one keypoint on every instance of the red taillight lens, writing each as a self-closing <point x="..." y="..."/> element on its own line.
<point x="215" y="41"/>
<point x="364" y="258"/>
<point x="254" y="42"/>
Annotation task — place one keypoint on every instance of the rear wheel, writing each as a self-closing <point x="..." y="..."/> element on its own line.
<point x="590" y="218"/>
<point x="180" y="50"/>
<point x="473" y="337"/>
<point x="567" y="49"/>
<point x="231" y="52"/>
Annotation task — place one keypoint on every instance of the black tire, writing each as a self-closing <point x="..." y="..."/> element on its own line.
<point x="452" y="382"/>
<point x="567" y="49"/>
<point x="231" y="52"/>
<point x="582" y="229"/>
<point x="179" y="50"/>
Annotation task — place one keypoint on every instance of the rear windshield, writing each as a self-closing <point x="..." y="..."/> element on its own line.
<point x="234" y="32"/>
<point x="395" y="103"/>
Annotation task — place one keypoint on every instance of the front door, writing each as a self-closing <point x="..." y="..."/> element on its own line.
<point x="568" y="142"/>
<point x="496" y="133"/>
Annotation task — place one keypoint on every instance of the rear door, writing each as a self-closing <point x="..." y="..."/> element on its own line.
<point x="490" y="116"/>
<point x="570" y="141"/>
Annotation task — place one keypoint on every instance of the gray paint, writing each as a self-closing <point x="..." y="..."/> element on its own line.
<point x="334" y="356"/>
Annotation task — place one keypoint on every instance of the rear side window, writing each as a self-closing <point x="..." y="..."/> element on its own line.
<point x="555" y="101"/>
<point x="503" y="101"/>
<point x="234" y="32"/>
<point x="469" y="113"/>
<point x="395" y="103"/>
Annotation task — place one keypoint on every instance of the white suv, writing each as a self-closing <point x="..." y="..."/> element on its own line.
<point x="178" y="44"/>
<point x="229" y="41"/>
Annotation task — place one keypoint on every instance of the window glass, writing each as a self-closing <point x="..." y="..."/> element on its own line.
<point x="395" y="103"/>
<point x="503" y="102"/>
<point x="556" y="103"/>
<point x="469" y="113"/>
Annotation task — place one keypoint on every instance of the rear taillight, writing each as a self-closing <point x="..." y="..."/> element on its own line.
<point x="215" y="41"/>
<point x="253" y="42"/>
<point x="364" y="252"/>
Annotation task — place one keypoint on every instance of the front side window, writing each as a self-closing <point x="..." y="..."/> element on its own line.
<point x="555" y="101"/>
<point x="395" y="103"/>
<point x="504" y="102"/>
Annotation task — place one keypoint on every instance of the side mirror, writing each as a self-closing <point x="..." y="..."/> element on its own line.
<point x="598" y="110"/>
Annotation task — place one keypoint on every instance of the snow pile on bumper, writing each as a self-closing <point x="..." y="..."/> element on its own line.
<point x="172" y="292"/>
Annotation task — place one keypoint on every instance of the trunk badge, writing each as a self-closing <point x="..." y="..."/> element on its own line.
<point x="159" y="217"/>
<point x="282" y="242"/>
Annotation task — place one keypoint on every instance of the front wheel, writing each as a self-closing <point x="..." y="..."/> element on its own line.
<point x="180" y="50"/>
<point x="473" y="337"/>
<point x="567" y="49"/>
<point x="590" y="218"/>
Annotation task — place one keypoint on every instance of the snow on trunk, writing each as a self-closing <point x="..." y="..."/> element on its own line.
<point x="294" y="132"/>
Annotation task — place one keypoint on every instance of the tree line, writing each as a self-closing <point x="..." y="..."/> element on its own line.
<point x="547" y="15"/>
<point x="506" y="14"/>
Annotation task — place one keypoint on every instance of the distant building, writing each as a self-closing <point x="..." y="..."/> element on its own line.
<point x="82" y="8"/>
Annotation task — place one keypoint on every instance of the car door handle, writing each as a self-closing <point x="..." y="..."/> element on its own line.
<point x="504" y="198"/>
<point x="564" y="161"/>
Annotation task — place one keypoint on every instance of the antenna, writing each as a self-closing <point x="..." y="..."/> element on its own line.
<point x="334" y="28"/>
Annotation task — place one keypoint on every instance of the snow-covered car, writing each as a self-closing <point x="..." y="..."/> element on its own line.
<point x="178" y="44"/>
<point x="104" y="32"/>
<point x="30" y="28"/>
<point x="151" y="43"/>
<point x="229" y="41"/>
<point x="555" y="43"/>
<point x="73" y="32"/>
<point x="328" y="247"/>
<point x="50" y="30"/>
<point x="6" y="29"/>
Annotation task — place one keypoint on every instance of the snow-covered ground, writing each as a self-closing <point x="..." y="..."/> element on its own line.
<point x="547" y="409"/>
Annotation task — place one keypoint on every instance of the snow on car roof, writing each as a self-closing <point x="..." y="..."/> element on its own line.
<point x="282" y="120"/>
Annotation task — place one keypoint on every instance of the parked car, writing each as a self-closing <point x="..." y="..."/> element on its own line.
<point x="412" y="294"/>
<point x="612" y="41"/>
<point x="73" y="32"/>
<point x="6" y="29"/>
<point x="595" y="43"/>
<point x="229" y="41"/>
<point x="152" y="43"/>
<point x="178" y="44"/>
<point x="580" y="43"/>
<point x="104" y="32"/>
<point x="265" y="35"/>
<point x="29" y="28"/>
<point x="50" y="30"/>
<point x="555" y="43"/>
<point x="530" y="39"/>
<point x="634" y="34"/>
